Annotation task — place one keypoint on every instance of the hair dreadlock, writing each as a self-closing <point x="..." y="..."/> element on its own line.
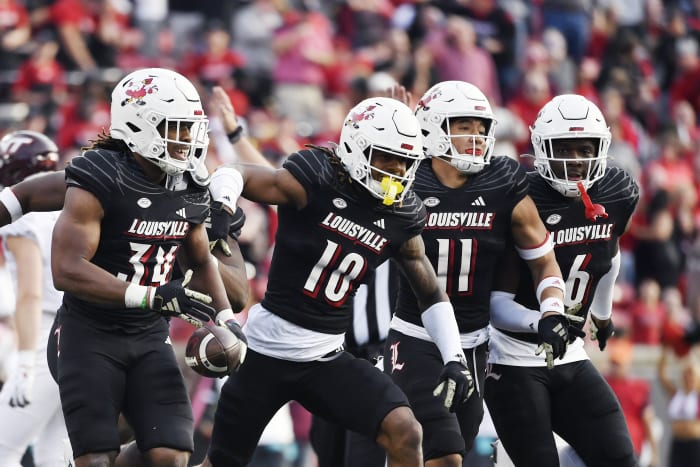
<point x="105" y="141"/>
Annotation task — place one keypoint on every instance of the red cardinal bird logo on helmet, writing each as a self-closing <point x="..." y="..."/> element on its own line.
<point x="426" y="100"/>
<point x="366" y="114"/>
<point x="137" y="90"/>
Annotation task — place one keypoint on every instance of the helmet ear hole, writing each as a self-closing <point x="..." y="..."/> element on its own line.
<point x="133" y="127"/>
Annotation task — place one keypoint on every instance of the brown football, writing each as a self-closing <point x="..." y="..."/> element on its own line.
<point x="213" y="351"/>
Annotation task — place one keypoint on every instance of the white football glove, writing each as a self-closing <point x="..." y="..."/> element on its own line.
<point x="24" y="379"/>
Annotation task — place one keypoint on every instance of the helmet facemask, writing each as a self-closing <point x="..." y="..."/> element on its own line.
<point x="563" y="169"/>
<point x="387" y="186"/>
<point x="478" y="147"/>
<point x="181" y="155"/>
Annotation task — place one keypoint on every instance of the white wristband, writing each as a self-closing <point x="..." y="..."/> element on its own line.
<point x="26" y="358"/>
<point x="552" y="304"/>
<point x="136" y="296"/>
<point x="9" y="199"/>
<point x="549" y="281"/>
<point x="226" y="186"/>
<point x="224" y="315"/>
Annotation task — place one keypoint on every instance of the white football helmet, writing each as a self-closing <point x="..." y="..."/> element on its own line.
<point x="381" y="123"/>
<point x="570" y="116"/>
<point x="142" y="101"/>
<point x="455" y="99"/>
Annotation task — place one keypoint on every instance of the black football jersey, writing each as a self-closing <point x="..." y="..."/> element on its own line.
<point x="584" y="249"/>
<point x="143" y="227"/>
<point x="467" y="230"/>
<point x="325" y="250"/>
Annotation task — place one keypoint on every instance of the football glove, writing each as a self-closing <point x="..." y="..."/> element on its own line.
<point x="24" y="379"/>
<point x="234" y="230"/>
<point x="217" y="224"/>
<point x="175" y="299"/>
<point x="455" y="386"/>
<point x="233" y="326"/>
<point x="553" y="332"/>
<point x="573" y="317"/>
<point x="601" y="332"/>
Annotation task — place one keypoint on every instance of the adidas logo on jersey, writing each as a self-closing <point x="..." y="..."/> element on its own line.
<point x="379" y="223"/>
<point x="479" y="202"/>
<point x="182" y="213"/>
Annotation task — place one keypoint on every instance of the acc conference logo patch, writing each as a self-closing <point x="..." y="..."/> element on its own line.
<point x="340" y="203"/>
<point x="431" y="202"/>
<point x="553" y="219"/>
<point x="144" y="203"/>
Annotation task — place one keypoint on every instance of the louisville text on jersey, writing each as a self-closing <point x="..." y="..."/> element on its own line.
<point x="354" y="231"/>
<point x="158" y="229"/>
<point x="460" y="220"/>
<point x="583" y="234"/>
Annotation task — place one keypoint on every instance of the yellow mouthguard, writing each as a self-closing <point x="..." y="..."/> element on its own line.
<point x="391" y="189"/>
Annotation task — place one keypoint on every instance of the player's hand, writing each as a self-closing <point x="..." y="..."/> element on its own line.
<point x="233" y="326"/>
<point x="175" y="299"/>
<point x="553" y="332"/>
<point x="574" y="318"/>
<point x="601" y="330"/>
<point x="234" y="230"/>
<point x="24" y="379"/>
<point x="218" y="224"/>
<point x="455" y="385"/>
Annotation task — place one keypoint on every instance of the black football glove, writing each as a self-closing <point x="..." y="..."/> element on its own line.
<point x="601" y="330"/>
<point x="218" y="224"/>
<point x="455" y="385"/>
<point x="234" y="230"/>
<point x="235" y="328"/>
<point x="553" y="332"/>
<point x="175" y="299"/>
<point x="573" y="317"/>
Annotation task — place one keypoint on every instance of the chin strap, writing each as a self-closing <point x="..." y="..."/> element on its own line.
<point x="593" y="211"/>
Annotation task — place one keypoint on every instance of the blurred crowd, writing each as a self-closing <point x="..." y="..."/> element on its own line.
<point x="293" y="68"/>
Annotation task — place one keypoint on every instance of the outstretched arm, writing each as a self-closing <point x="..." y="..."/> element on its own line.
<point x="44" y="192"/>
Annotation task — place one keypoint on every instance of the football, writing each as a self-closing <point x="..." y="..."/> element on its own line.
<point x="213" y="351"/>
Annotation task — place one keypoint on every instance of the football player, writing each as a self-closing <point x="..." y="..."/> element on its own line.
<point x="475" y="204"/>
<point x="342" y="211"/>
<point x="30" y="406"/>
<point x="136" y="200"/>
<point x="587" y="207"/>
